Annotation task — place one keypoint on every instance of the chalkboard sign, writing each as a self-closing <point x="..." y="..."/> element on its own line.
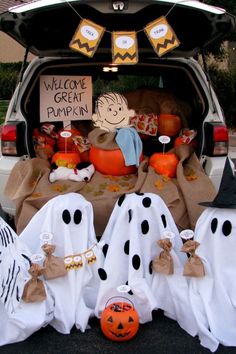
<point x="65" y="98"/>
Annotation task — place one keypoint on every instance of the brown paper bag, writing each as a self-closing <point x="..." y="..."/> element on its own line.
<point x="164" y="262"/>
<point x="34" y="288"/>
<point x="54" y="267"/>
<point x="194" y="266"/>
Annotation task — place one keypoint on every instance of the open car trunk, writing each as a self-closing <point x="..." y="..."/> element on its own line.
<point x="165" y="87"/>
<point x="46" y="27"/>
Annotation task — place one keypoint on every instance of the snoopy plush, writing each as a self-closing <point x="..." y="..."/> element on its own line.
<point x="82" y="172"/>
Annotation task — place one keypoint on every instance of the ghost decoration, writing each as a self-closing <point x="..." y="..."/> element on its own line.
<point x="66" y="221"/>
<point x="19" y="319"/>
<point x="213" y="296"/>
<point x="112" y="112"/>
<point x="130" y="245"/>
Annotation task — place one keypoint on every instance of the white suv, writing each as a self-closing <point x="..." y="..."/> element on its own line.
<point x="46" y="28"/>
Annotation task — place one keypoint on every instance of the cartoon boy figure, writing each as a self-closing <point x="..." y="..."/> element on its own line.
<point x="111" y="112"/>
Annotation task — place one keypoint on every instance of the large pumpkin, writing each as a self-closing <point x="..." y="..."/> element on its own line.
<point x="110" y="162"/>
<point x="164" y="163"/>
<point x="119" y="321"/>
<point x="66" y="158"/>
<point x="169" y="124"/>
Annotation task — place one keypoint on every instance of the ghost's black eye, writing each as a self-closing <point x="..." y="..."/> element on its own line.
<point x="227" y="228"/>
<point x="214" y="224"/>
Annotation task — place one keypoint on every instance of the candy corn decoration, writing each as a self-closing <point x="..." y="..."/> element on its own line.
<point x="161" y="36"/>
<point x="124" y="48"/>
<point x="87" y="37"/>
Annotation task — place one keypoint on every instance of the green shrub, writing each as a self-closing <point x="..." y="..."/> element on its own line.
<point x="9" y="74"/>
<point x="224" y="83"/>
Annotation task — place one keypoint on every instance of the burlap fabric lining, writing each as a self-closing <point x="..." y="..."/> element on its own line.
<point x="29" y="188"/>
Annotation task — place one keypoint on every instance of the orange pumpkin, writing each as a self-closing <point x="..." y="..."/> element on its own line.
<point x="66" y="158"/>
<point x="110" y="162"/>
<point x="164" y="164"/>
<point x="119" y="321"/>
<point x="69" y="142"/>
<point x="169" y="124"/>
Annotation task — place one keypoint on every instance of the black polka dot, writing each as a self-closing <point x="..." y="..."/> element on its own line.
<point x="66" y="216"/>
<point x="77" y="217"/>
<point x="214" y="224"/>
<point x="102" y="274"/>
<point x="150" y="267"/>
<point x="145" y="227"/>
<point x="105" y="249"/>
<point x="130" y="212"/>
<point x="227" y="228"/>
<point x="139" y="193"/>
<point x="163" y="218"/>
<point x="121" y="199"/>
<point x="147" y="202"/>
<point x="126" y="247"/>
<point x="136" y="261"/>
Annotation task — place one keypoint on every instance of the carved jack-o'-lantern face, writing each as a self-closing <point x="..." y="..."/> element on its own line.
<point x="119" y="321"/>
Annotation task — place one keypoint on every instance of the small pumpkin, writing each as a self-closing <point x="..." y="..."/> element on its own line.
<point x="169" y="124"/>
<point x="66" y="159"/>
<point x="119" y="321"/>
<point x="110" y="162"/>
<point x="164" y="163"/>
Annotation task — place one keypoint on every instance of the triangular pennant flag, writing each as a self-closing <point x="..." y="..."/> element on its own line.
<point x="161" y="36"/>
<point x="124" y="48"/>
<point x="87" y="37"/>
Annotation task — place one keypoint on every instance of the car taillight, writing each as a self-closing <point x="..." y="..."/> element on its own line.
<point x="12" y="139"/>
<point x="217" y="139"/>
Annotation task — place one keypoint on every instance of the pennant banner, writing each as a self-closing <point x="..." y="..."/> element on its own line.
<point x="161" y="36"/>
<point x="124" y="48"/>
<point x="87" y="37"/>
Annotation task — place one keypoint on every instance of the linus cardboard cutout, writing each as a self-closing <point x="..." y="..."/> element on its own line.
<point x="111" y="112"/>
<point x="113" y="115"/>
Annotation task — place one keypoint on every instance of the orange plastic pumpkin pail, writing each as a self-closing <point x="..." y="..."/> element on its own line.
<point x="120" y="321"/>
<point x="110" y="162"/>
<point x="66" y="158"/>
<point x="169" y="124"/>
<point x="164" y="164"/>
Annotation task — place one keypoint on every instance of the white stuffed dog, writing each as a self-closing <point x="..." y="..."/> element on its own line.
<point x="82" y="172"/>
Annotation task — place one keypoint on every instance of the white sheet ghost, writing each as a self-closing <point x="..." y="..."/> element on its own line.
<point x="213" y="297"/>
<point x="67" y="222"/>
<point x="17" y="322"/>
<point x="137" y="222"/>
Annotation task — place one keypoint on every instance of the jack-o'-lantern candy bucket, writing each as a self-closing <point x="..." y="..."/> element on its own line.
<point x="119" y="320"/>
<point x="110" y="162"/>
